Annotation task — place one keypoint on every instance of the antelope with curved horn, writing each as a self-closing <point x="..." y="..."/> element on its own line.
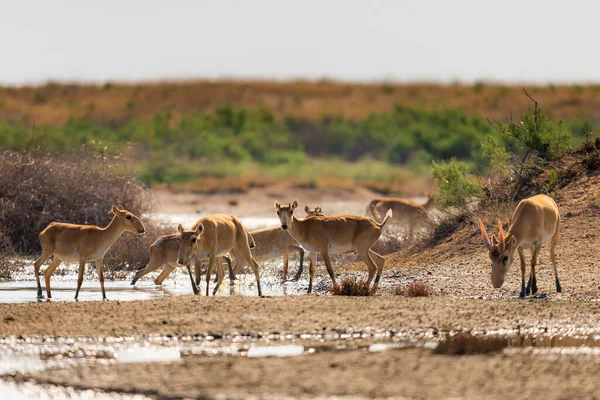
<point x="82" y="243"/>
<point x="211" y="237"/>
<point x="335" y="235"/>
<point x="535" y="221"/>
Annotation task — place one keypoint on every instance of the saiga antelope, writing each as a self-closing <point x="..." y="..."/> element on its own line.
<point x="214" y="236"/>
<point x="82" y="243"/>
<point x="535" y="221"/>
<point x="228" y="257"/>
<point x="317" y="211"/>
<point x="163" y="252"/>
<point x="406" y="212"/>
<point x="273" y="243"/>
<point x="335" y="235"/>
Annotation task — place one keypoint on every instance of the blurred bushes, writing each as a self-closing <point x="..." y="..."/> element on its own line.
<point x="175" y="148"/>
<point x="80" y="188"/>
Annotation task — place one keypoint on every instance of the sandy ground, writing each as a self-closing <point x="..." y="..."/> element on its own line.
<point x="410" y="373"/>
<point x="457" y="271"/>
<point x="190" y="315"/>
<point x="259" y="202"/>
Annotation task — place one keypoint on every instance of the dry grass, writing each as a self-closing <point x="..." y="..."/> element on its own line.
<point x="350" y="286"/>
<point x="414" y="289"/>
<point x="81" y="188"/>
<point x="6" y="253"/>
<point x="466" y="343"/>
<point x="115" y="104"/>
<point x="211" y="185"/>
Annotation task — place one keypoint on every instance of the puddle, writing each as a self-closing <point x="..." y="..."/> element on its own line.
<point x="148" y="354"/>
<point x="31" y="391"/>
<point x="38" y="353"/>
<point x="63" y="288"/>
<point x="276" y="351"/>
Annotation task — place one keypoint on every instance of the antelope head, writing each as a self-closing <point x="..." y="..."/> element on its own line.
<point x="317" y="212"/>
<point x="130" y="222"/>
<point x="188" y="243"/>
<point x="501" y="252"/>
<point x="286" y="214"/>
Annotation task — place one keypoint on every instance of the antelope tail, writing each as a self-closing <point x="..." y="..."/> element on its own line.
<point x="388" y="216"/>
<point x="251" y="242"/>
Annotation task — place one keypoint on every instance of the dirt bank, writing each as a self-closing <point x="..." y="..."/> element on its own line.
<point x="415" y="373"/>
<point x="184" y="315"/>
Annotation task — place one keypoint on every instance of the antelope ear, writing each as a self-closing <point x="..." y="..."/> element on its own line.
<point x="277" y="205"/>
<point x="120" y="207"/>
<point x="295" y="204"/>
<point x="199" y="230"/>
<point x="306" y="210"/>
<point x="114" y="209"/>
<point x="494" y="240"/>
<point x="180" y="228"/>
<point x="512" y="243"/>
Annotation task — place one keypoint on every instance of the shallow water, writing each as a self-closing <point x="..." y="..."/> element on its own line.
<point x="24" y="289"/>
<point x="64" y="290"/>
<point x="38" y="353"/>
<point x="31" y="391"/>
<point x="188" y="220"/>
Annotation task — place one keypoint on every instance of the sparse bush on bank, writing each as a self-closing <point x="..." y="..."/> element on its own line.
<point x="414" y="289"/>
<point x="78" y="188"/>
<point x="350" y="286"/>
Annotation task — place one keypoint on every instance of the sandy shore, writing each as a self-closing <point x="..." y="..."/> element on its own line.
<point x="415" y="374"/>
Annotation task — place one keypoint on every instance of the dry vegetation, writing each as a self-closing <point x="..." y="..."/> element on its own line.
<point x="80" y="188"/>
<point x="414" y="289"/>
<point x="114" y="104"/>
<point x="350" y="286"/>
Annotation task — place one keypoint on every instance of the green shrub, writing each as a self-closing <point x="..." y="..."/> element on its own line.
<point x="455" y="185"/>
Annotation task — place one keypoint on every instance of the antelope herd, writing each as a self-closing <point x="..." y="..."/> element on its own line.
<point x="220" y="238"/>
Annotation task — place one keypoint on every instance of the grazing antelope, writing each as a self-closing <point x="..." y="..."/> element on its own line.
<point x="534" y="222"/>
<point x="406" y="212"/>
<point x="82" y="243"/>
<point x="273" y="243"/>
<point x="163" y="252"/>
<point x="214" y="236"/>
<point x="335" y="235"/>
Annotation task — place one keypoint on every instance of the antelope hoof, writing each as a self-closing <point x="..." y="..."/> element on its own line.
<point x="132" y="283"/>
<point x="528" y="288"/>
<point x="558" y="287"/>
<point x="534" y="287"/>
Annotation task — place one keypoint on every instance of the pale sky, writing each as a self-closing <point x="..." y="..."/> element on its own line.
<point x="425" y="40"/>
